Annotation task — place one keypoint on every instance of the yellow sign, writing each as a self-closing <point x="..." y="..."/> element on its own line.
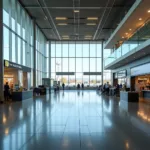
<point x="6" y="63"/>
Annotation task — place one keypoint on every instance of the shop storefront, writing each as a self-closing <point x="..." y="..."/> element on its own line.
<point x="16" y="74"/>
<point x="140" y="80"/>
<point x="19" y="80"/>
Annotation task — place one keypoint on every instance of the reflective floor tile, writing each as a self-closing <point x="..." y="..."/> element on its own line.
<point x="75" y="120"/>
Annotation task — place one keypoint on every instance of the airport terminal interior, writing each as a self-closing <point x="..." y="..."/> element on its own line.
<point x="74" y="75"/>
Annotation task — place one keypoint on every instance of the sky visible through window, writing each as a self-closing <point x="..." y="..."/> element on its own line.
<point x="77" y="57"/>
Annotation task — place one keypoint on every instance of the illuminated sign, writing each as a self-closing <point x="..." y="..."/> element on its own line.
<point x="9" y="64"/>
<point x="121" y="74"/>
<point x="6" y="63"/>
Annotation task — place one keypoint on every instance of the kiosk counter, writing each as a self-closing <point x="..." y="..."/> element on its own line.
<point x="21" y="95"/>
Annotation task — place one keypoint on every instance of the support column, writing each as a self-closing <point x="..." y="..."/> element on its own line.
<point x="102" y="64"/>
<point x="34" y="54"/>
<point x="50" y="64"/>
<point x="50" y="59"/>
<point x="1" y="53"/>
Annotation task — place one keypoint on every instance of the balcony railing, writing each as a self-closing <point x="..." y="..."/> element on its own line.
<point x="141" y="35"/>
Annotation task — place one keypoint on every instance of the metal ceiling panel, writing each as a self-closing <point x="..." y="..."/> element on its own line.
<point x="45" y="12"/>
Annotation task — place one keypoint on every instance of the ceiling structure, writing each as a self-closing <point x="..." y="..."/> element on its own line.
<point x="77" y="19"/>
<point x="129" y="27"/>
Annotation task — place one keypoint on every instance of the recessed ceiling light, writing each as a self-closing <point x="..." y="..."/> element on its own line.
<point x="122" y="37"/>
<point x="130" y="29"/>
<point x="126" y="33"/>
<point x="91" y="24"/>
<point x="61" y="18"/>
<point x="140" y="19"/>
<point x="62" y="24"/>
<point x="148" y="11"/>
<point x="76" y="11"/>
<point x="92" y="18"/>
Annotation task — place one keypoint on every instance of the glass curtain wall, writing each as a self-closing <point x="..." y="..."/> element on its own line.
<point x="107" y="73"/>
<point x="42" y="54"/>
<point x="77" y="57"/>
<point x="18" y="39"/>
<point x="18" y="34"/>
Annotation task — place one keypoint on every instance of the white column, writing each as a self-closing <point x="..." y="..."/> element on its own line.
<point x="34" y="54"/>
<point x="1" y="53"/>
<point x="102" y="64"/>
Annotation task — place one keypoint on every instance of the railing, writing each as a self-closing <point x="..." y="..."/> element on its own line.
<point x="141" y="35"/>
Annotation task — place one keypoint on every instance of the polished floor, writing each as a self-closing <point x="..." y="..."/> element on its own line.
<point x="75" y="120"/>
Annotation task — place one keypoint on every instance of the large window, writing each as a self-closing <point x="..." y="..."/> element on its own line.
<point x="107" y="73"/>
<point x="18" y="40"/>
<point x="42" y="57"/>
<point x="13" y="48"/>
<point x="80" y="58"/>
<point x="6" y="43"/>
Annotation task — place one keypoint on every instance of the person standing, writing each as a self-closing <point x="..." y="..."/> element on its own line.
<point x="6" y="91"/>
<point x="107" y="88"/>
<point x="82" y="86"/>
<point x="63" y="86"/>
<point x="78" y="86"/>
<point x="104" y="89"/>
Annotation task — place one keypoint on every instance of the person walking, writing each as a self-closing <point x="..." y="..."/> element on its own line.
<point x="6" y="91"/>
<point x="63" y="86"/>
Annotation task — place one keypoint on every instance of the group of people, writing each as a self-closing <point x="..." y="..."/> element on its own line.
<point x="105" y="89"/>
<point x="78" y="86"/>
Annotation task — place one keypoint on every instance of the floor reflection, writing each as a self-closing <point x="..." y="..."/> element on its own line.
<point x="75" y="120"/>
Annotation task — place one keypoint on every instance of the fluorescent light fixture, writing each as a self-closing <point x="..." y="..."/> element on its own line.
<point x="65" y="36"/>
<point x="62" y="24"/>
<point x="92" y="18"/>
<point x="88" y="36"/>
<point x="91" y="24"/>
<point x="76" y="11"/>
<point x="61" y="18"/>
<point x="140" y="19"/>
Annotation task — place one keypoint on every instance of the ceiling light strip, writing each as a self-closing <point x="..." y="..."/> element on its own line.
<point x="62" y="24"/>
<point x="92" y="18"/>
<point x="61" y="18"/>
